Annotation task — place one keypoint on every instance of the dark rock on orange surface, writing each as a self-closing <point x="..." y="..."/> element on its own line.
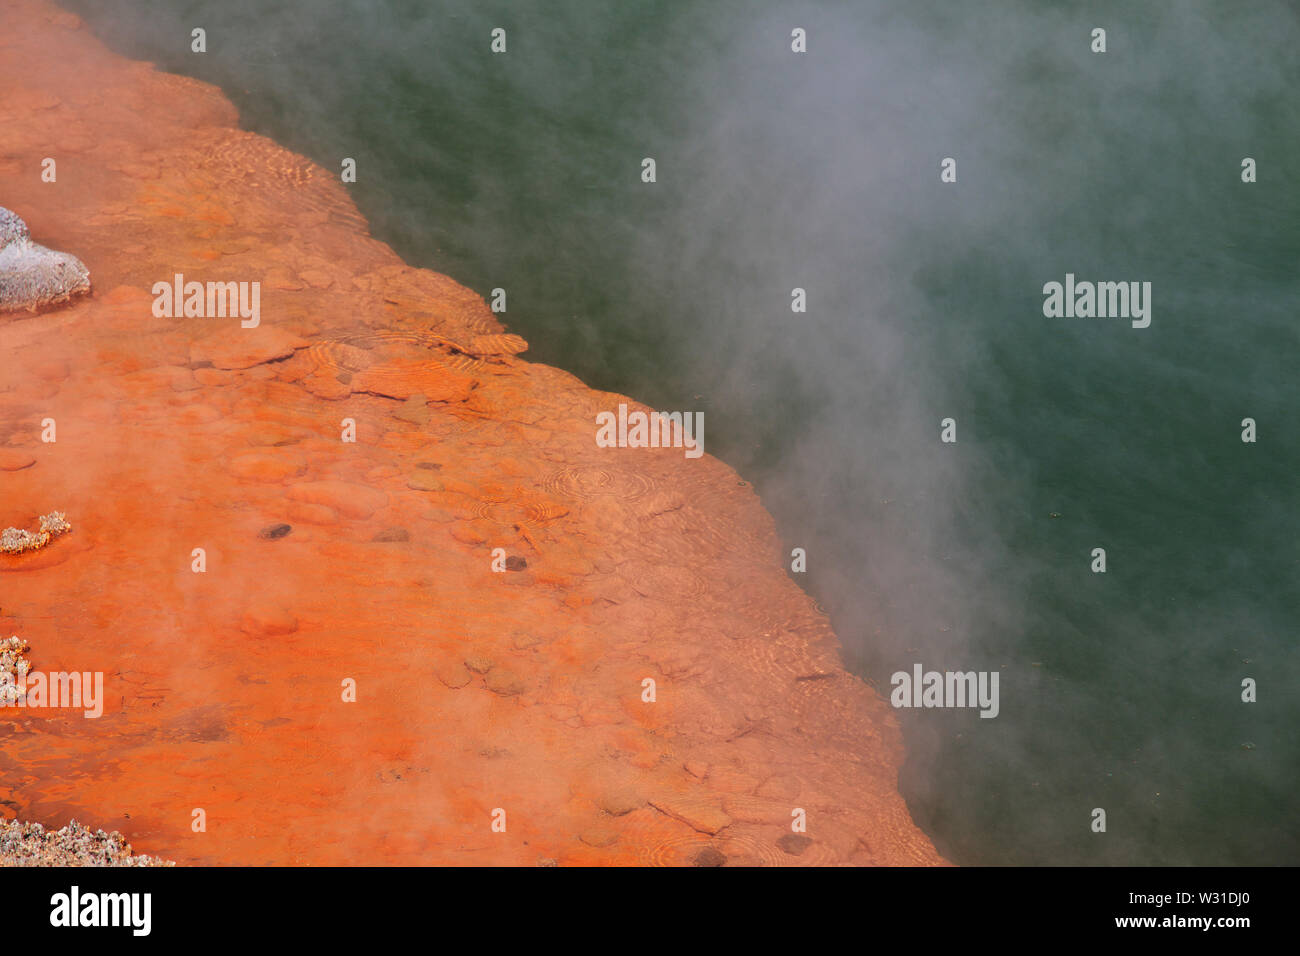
<point x="347" y="694"/>
<point x="794" y="843"/>
<point x="709" y="856"/>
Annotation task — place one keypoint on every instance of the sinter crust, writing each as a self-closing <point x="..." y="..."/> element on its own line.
<point x="33" y="277"/>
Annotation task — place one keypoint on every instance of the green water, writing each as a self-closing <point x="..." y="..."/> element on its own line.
<point x="775" y="170"/>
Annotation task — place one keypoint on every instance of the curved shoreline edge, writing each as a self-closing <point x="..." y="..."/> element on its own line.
<point x="477" y="695"/>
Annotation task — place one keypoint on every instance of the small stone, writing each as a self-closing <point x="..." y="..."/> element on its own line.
<point x="275" y="532"/>
<point x="516" y="563"/>
<point x="429" y="465"/>
<point x="392" y="534"/>
<point x="424" y="481"/>
<point x="794" y="843"/>
<point x="618" y="801"/>
<point x="709" y="856"/>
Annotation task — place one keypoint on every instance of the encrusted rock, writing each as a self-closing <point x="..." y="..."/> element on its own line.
<point x="17" y="540"/>
<point x="30" y="844"/>
<point x="14" y="667"/>
<point x="33" y="277"/>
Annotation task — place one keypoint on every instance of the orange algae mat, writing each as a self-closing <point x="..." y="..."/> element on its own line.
<point x="347" y="680"/>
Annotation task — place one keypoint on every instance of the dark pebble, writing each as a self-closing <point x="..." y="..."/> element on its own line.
<point x="516" y="563"/>
<point x="794" y="843"/>
<point x="392" y="534"/>
<point x="275" y="531"/>
<point x="429" y="465"/>
<point x="709" y="856"/>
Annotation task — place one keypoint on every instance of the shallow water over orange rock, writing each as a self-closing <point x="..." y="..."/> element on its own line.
<point x="475" y="690"/>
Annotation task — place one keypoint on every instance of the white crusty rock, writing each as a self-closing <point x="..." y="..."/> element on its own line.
<point x="18" y="540"/>
<point x="33" y="277"/>
<point x="30" y="844"/>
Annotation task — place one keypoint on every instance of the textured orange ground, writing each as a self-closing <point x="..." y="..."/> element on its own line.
<point x="475" y="690"/>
